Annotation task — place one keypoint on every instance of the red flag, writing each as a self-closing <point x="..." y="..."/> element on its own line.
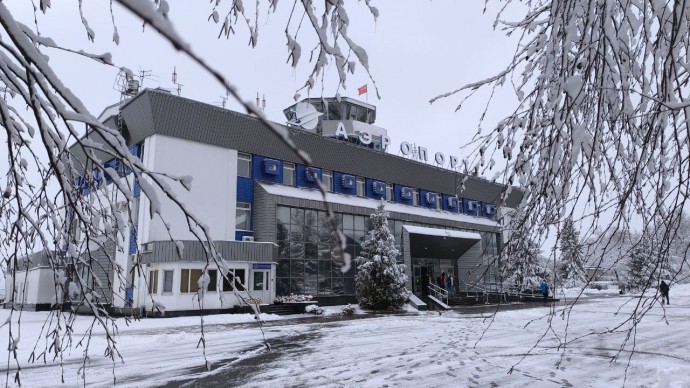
<point x="362" y="89"/>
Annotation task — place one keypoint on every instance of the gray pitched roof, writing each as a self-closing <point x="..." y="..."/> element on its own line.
<point x="158" y="112"/>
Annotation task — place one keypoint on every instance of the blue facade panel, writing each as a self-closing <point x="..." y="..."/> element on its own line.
<point x="450" y="203"/>
<point x="241" y="233"/>
<point x="375" y="189"/>
<point x="136" y="190"/>
<point x="132" y="241"/>
<point x="305" y="176"/>
<point x="135" y="150"/>
<point x="344" y="183"/>
<point x="112" y="163"/>
<point x="245" y="189"/>
<point x="403" y="194"/>
<point x="470" y="207"/>
<point x="258" y="170"/>
<point x="97" y="177"/>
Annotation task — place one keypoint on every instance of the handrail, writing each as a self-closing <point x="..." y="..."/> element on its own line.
<point x="436" y="292"/>
<point x="505" y="291"/>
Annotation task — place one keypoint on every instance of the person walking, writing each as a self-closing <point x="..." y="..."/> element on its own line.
<point x="544" y="287"/>
<point x="442" y="280"/>
<point x="663" y="289"/>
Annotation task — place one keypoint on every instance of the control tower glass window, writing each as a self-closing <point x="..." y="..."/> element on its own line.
<point x="353" y="112"/>
<point x="334" y="111"/>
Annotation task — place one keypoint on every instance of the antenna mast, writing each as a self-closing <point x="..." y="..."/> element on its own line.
<point x="261" y="104"/>
<point x="174" y="80"/>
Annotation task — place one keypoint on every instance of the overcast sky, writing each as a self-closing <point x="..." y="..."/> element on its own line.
<point x="416" y="50"/>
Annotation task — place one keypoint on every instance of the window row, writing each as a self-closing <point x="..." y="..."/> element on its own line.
<point x="189" y="281"/>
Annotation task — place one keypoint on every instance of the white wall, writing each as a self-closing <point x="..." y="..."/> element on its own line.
<point x="213" y="194"/>
<point x="37" y="286"/>
<point x="178" y="301"/>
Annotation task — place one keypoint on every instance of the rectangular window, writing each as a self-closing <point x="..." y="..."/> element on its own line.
<point x="327" y="180"/>
<point x="243" y="216"/>
<point x="259" y="281"/>
<point x="153" y="282"/>
<point x="213" y="280"/>
<point x="167" y="281"/>
<point x="244" y="165"/>
<point x="238" y="280"/>
<point x="288" y="174"/>
<point x="189" y="280"/>
<point x="389" y="192"/>
<point x="361" y="192"/>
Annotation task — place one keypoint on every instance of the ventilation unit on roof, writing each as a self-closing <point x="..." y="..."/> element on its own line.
<point x="378" y="187"/>
<point x="271" y="166"/>
<point x="248" y="238"/>
<point x="452" y="201"/>
<point x="348" y="181"/>
<point x="431" y="197"/>
<point x="311" y="174"/>
<point x="406" y="192"/>
<point x="471" y="205"/>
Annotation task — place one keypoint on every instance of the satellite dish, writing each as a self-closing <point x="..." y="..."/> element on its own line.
<point x="306" y="116"/>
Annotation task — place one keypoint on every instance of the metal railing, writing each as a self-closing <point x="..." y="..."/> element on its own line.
<point x="438" y="292"/>
<point x="507" y="294"/>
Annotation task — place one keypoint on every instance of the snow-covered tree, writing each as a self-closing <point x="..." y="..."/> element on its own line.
<point x="571" y="266"/>
<point x="600" y="123"/>
<point x="522" y="263"/>
<point x="380" y="280"/>
<point x="641" y="265"/>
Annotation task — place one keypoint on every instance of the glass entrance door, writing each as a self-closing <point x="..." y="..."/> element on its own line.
<point x="261" y="286"/>
<point x="426" y="271"/>
<point x="422" y="272"/>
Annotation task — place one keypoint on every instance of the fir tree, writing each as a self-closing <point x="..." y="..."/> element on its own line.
<point x="640" y="265"/>
<point x="571" y="268"/>
<point x="380" y="280"/>
<point x="522" y="263"/>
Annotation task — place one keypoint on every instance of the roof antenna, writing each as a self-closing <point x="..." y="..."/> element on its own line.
<point x="261" y="104"/>
<point x="174" y="80"/>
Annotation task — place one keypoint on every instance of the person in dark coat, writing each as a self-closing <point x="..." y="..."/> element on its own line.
<point x="450" y="284"/>
<point x="663" y="289"/>
<point x="544" y="287"/>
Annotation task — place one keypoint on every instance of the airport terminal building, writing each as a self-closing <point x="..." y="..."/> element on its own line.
<point x="267" y="217"/>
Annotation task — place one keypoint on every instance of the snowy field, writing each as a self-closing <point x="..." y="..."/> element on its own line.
<point x="411" y="350"/>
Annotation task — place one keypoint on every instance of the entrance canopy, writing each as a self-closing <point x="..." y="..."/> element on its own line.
<point x="439" y="243"/>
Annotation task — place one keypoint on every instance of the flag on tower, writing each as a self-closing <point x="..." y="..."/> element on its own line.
<point x="362" y="89"/>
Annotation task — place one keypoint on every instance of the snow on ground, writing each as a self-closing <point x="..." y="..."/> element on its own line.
<point x="419" y="349"/>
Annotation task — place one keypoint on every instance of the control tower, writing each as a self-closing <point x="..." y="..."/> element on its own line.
<point x="342" y="118"/>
